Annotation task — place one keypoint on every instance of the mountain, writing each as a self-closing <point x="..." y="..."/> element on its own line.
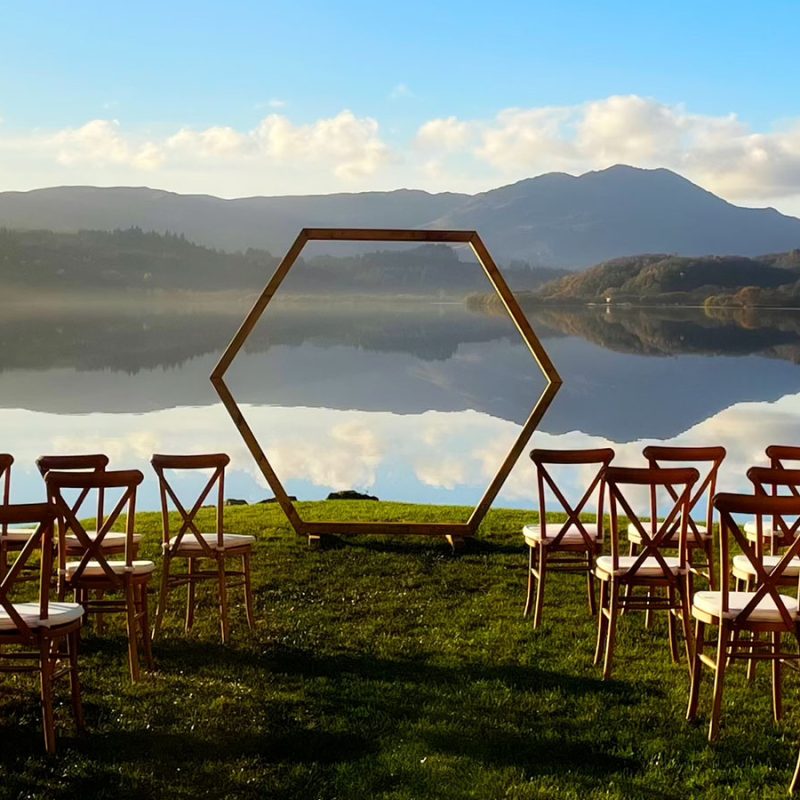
<point x="561" y="220"/>
<point x="554" y="220"/>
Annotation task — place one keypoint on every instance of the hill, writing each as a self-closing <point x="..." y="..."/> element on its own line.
<point x="555" y="220"/>
<point x="133" y="259"/>
<point x="677" y="280"/>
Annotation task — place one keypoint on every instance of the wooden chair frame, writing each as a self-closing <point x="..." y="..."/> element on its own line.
<point x="220" y="553"/>
<point x="552" y="553"/>
<point x="131" y="585"/>
<point x="731" y="645"/>
<point x="51" y="651"/>
<point x="779" y="453"/>
<point x="614" y="594"/>
<point x="455" y="532"/>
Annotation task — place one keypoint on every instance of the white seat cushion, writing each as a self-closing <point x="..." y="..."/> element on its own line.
<point x="190" y="544"/>
<point x="94" y="569"/>
<point x="649" y="568"/>
<point x="751" y="530"/>
<point x="765" y="611"/>
<point x="742" y="564"/>
<point x="111" y="539"/>
<point x="17" y="535"/>
<point x="57" y="614"/>
<point x="636" y="537"/>
<point x="533" y="533"/>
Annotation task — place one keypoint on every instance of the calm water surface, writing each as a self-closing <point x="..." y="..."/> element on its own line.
<point x="408" y="400"/>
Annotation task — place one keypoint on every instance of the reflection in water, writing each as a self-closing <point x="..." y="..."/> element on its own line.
<point x="409" y="401"/>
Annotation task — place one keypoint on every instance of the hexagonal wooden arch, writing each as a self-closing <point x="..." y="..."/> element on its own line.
<point x="453" y="531"/>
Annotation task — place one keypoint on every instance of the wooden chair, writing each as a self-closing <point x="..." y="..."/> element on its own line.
<point x="573" y="545"/>
<point x="95" y="572"/>
<point x="780" y="457"/>
<point x="114" y="541"/>
<point x="735" y="613"/>
<point x="707" y="461"/>
<point x="189" y="543"/>
<point x="43" y="636"/>
<point x="650" y="568"/>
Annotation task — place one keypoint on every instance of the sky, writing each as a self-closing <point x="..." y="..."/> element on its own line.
<point x="238" y="99"/>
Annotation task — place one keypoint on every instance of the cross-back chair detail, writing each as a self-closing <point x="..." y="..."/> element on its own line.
<point x="96" y="571"/>
<point x="12" y="539"/>
<point x="189" y="542"/>
<point x="707" y="461"/>
<point x="572" y="545"/>
<point x="620" y="574"/>
<point x="763" y="609"/>
<point x="43" y="635"/>
<point x="780" y="454"/>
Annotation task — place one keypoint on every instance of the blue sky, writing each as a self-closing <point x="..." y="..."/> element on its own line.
<point x="279" y="98"/>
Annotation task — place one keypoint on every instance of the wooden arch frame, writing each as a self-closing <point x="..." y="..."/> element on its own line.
<point x="453" y="531"/>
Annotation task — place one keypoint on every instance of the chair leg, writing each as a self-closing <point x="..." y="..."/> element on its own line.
<point x="248" y="592"/>
<point x="46" y="688"/>
<point x="602" y="623"/>
<point x="190" y="595"/>
<point x="223" y="598"/>
<point x="133" y="650"/>
<point x="74" y="681"/>
<point x="633" y="550"/>
<point x="686" y="622"/>
<point x="672" y="627"/>
<point x="144" y="617"/>
<point x="590" y="584"/>
<point x="725" y="636"/>
<point x="648" y="614"/>
<point x="777" y="670"/>
<point x="713" y="582"/>
<point x="529" y="597"/>
<point x="796" y="777"/>
<point x="537" y="610"/>
<point x="162" y="596"/>
<point x="611" y="634"/>
<point x="697" y="666"/>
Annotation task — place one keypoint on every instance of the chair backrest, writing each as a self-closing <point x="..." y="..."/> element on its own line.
<point x="767" y="579"/>
<point x="780" y="454"/>
<point x="776" y="483"/>
<point x="120" y="483"/>
<point x="216" y="463"/>
<point x="41" y="540"/>
<point x="707" y="461"/>
<point x="591" y="485"/>
<point x="670" y="493"/>
<point x="84" y="462"/>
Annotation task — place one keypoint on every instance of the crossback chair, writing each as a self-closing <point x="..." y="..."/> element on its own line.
<point x="707" y="461"/>
<point x="670" y="491"/>
<point x="764" y="609"/>
<point x="39" y="636"/>
<point x="95" y="575"/>
<point x="572" y="545"/>
<point x="188" y="542"/>
<point x="114" y="541"/>
<point x="785" y="457"/>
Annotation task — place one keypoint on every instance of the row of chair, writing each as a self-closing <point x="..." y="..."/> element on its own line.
<point x="663" y="543"/>
<point x="100" y="566"/>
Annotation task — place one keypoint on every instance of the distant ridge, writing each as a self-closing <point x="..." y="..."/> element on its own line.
<point x="552" y="220"/>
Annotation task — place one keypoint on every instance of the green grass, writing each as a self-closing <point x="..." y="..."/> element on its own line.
<point x="393" y="669"/>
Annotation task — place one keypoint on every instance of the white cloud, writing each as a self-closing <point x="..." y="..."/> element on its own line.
<point x="101" y="142"/>
<point x="448" y="133"/>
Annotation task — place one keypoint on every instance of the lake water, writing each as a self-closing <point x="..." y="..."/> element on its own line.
<point x="408" y="400"/>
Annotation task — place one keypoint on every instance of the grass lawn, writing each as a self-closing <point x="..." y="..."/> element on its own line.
<point x="392" y="669"/>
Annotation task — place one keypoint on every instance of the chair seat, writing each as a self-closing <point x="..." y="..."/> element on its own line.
<point x="94" y="569"/>
<point x="57" y="614"/>
<point x="751" y="529"/>
<point x="636" y="537"/>
<point x="113" y="539"/>
<point x="743" y="566"/>
<point x="230" y="541"/>
<point x="14" y="536"/>
<point x="708" y="603"/>
<point x="650" y="567"/>
<point x="533" y="534"/>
